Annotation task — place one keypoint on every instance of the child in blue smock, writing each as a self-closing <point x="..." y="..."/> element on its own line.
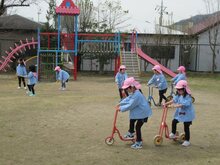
<point x="184" y="110"/>
<point x="160" y="82"/>
<point x="120" y="78"/>
<point x="180" y="76"/>
<point x="63" y="77"/>
<point x="139" y="110"/>
<point x="21" y="73"/>
<point x="32" y="80"/>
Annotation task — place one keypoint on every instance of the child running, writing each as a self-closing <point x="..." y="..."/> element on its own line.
<point x="32" y="80"/>
<point x="139" y="109"/>
<point x="180" y="76"/>
<point x="160" y="82"/>
<point x="21" y="73"/>
<point x="120" y="78"/>
<point x="184" y="110"/>
<point x="63" y="77"/>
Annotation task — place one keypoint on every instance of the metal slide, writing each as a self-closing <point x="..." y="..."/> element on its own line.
<point x="154" y="62"/>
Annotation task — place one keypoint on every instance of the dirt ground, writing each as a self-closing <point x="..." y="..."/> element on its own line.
<point x="69" y="127"/>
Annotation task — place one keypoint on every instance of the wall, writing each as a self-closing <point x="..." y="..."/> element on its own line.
<point x="204" y="56"/>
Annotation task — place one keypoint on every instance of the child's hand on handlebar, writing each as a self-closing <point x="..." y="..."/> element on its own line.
<point x="117" y="108"/>
<point x="171" y="106"/>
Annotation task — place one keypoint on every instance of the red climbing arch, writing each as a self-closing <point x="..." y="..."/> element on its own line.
<point x="4" y="63"/>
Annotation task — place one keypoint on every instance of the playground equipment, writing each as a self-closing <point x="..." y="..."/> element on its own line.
<point x="61" y="45"/>
<point x="154" y="62"/>
<point x="50" y="44"/>
<point x="110" y="139"/>
<point x="63" y="48"/>
<point x="150" y="95"/>
<point x="158" y="139"/>
<point x="15" y="51"/>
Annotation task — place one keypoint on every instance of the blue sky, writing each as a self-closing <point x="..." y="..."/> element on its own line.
<point x="142" y="12"/>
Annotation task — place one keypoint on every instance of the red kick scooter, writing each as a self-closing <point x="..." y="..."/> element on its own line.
<point x="158" y="139"/>
<point x="110" y="139"/>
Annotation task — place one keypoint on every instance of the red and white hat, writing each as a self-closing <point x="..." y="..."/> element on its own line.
<point x="57" y="68"/>
<point x="181" y="69"/>
<point x="122" y="67"/>
<point x="157" y="68"/>
<point x="183" y="84"/>
<point x="131" y="82"/>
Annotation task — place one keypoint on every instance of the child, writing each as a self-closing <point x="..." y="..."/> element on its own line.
<point x="160" y="82"/>
<point x="139" y="110"/>
<point x="184" y="110"/>
<point x="120" y="78"/>
<point x="180" y="76"/>
<point x="21" y="73"/>
<point x="63" y="77"/>
<point x="32" y="80"/>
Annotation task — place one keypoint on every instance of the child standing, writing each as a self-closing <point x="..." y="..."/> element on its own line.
<point x="160" y="82"/>
<point x="63" y="77"/>
<point x="184" y="110"/>
<point x="21" y="73"/>
<point x="180" y="76"/>
<point x="120" y="78"/>
<point x="32" y="80"/>
<point x="139" y="109"/>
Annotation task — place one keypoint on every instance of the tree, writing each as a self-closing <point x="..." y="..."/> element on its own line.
<point x="111" y="16"/>
<point x="86" y="17"/>
<point x="51" y="16"/>
<point x="213" y="30"/>
<point x="5" y="4"/>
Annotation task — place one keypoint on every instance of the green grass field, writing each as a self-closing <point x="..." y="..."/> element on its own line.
<point x="69" y="127"/>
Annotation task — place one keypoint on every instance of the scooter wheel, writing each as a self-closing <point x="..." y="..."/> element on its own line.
<point x="109" y="140"/>
<point x="193" y="99"/>
<point x="169" y="98"/>
<point x="182" y="137"/>
<point x="158" y="140"/>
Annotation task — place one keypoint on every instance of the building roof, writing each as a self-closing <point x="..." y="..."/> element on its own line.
<point x="67" y="7"/>
<point x="206" y="24"/>
<point x="17" y="22"/>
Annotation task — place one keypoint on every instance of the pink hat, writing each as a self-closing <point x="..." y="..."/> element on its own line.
<point x="57" y="68"/>
<point x="182" y="69"/>
<point x="122" y="67"/>
<point x="157" y="68"/>
<point x="131" y="82"/>
<point x="183" y="84"/>
<point x="137" y="85"/>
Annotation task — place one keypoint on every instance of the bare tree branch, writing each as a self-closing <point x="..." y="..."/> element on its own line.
<point x="5" y="4"/>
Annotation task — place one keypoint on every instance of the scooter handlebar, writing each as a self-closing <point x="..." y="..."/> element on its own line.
<point x="117" y="108"/>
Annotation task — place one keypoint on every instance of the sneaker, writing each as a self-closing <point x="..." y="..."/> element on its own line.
<point x="31" y="94"/>
<point x="19" y="87"/>
<point x="63" y="89"/>
<point x="186" y="143"/>
<point x="129" y="135"/>
<point x="137" y="145"/>
<point x="28" y="92"/>
<point x="25" y="87"/>
<point x="172" y="136"/>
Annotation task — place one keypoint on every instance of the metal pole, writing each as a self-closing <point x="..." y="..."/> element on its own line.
<point x="38" y="53"/>
<point x="75" y="49"/>
<point x="59" y="29"/>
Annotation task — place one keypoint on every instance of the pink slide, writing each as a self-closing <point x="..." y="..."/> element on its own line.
<point x="154" y="62"/>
